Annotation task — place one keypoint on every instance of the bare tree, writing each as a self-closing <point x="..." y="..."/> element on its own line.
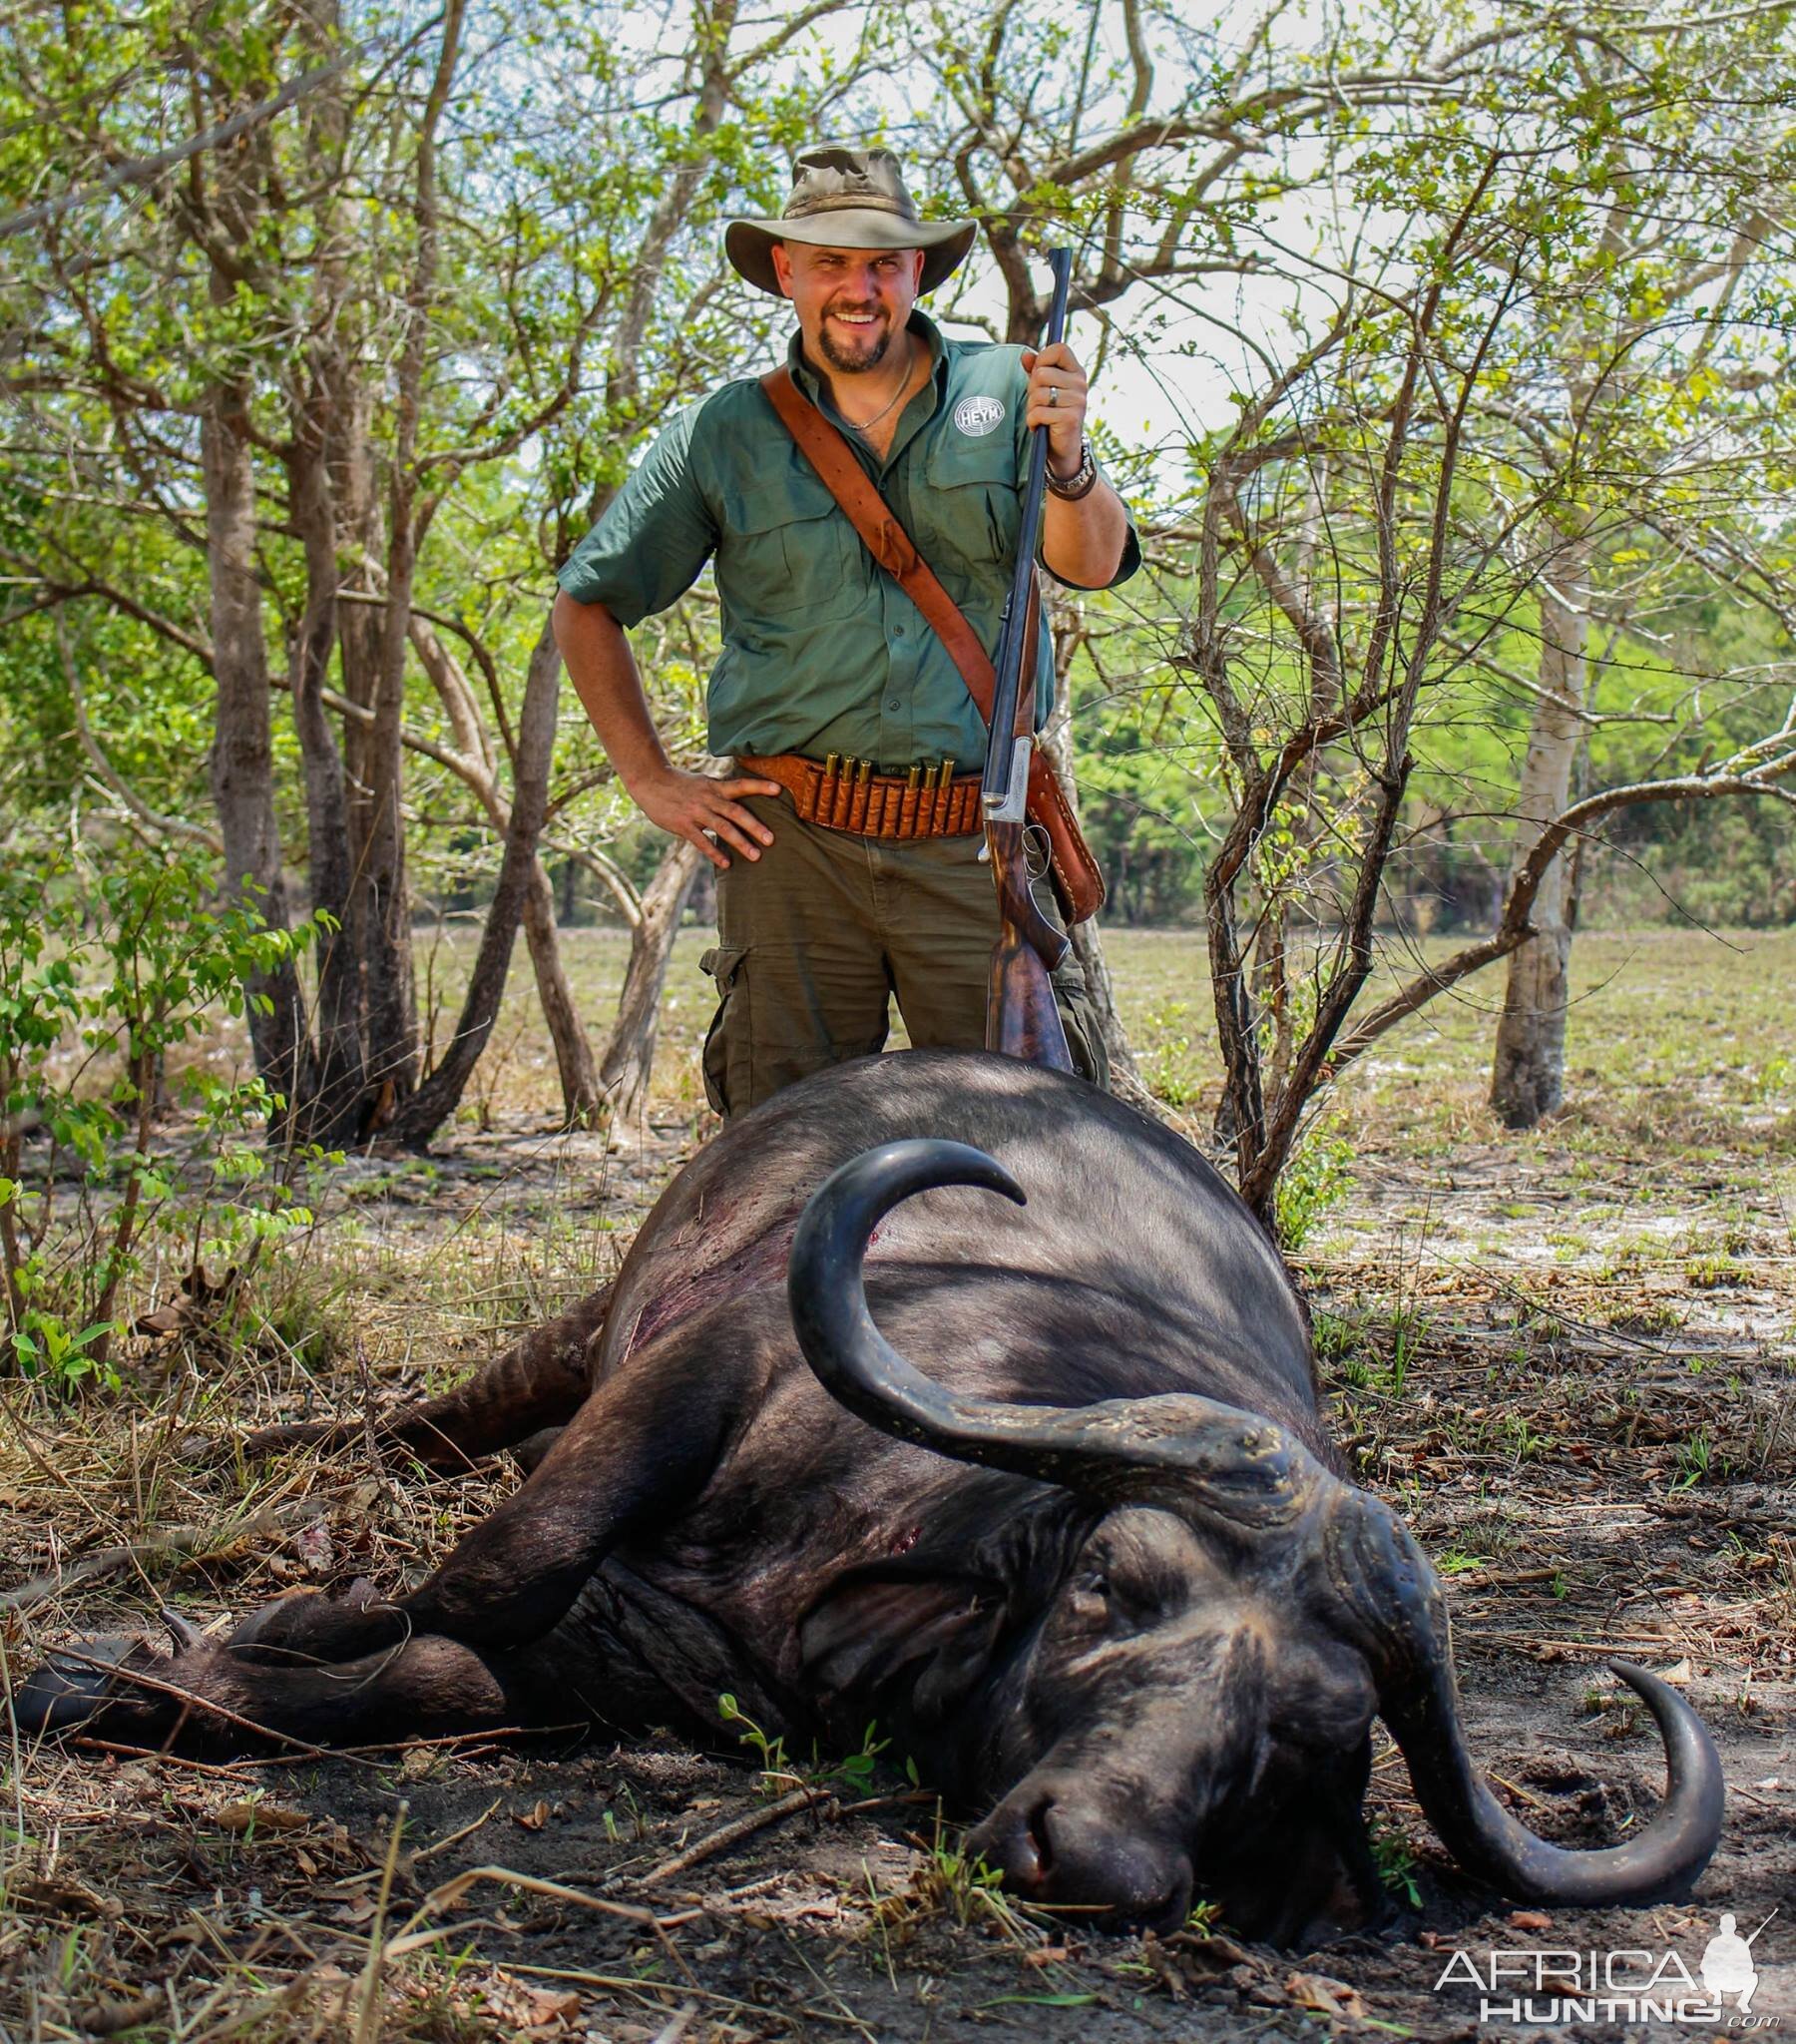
<point x="1097" y="136"/>
<point x="1647" y="391"/>
<point x="1381" y="515"/>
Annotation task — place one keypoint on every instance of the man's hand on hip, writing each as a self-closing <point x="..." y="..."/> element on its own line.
<point x="605" y="678"/>
<point x="691" y="804"/>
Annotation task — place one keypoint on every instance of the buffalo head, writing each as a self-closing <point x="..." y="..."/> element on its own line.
<point x="1192" y="1705"/>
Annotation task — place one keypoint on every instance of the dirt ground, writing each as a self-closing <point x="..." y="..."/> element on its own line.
<point x="1566" y="1360"/>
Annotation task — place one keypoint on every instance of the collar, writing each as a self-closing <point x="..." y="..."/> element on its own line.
<point x="811" y="383"/>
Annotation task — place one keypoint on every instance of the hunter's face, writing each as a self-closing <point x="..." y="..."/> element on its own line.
<point x="852" y="303"/>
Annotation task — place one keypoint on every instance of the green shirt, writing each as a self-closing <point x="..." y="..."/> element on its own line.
<point x="822" y="651"/>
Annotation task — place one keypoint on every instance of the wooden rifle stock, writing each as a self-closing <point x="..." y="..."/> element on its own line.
<point x="1022" y="1017"/>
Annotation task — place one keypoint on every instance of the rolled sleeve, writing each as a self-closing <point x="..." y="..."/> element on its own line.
<point x="1126" y="567"/>
<point x="656" y="534"/>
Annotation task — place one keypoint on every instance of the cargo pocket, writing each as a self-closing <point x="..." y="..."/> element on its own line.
<point x="1085" y="1033"/>
<point x="729" y="1060"/>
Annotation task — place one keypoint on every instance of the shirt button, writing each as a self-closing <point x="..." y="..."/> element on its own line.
<point x="892" y="702"/>
<point x="897" y="630"/>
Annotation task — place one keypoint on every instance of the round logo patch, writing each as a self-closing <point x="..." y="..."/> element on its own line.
<point x="979" y="415"/>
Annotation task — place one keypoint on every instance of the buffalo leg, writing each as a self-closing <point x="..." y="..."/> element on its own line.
<point x="540" y="1381"/>
<point x="627" y="1657"/>
<point x="637" y="1453"/>
<point x="634" y="1456"/>
<point x="207" y="1698"/>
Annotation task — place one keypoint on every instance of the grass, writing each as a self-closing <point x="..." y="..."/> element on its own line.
<point x="1666" y="1028"/>
<point x="950" y="1882"/>
<point x="780" y="1773"/>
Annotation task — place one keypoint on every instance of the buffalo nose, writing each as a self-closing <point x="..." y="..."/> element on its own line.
<point x="1054" y="1852"/>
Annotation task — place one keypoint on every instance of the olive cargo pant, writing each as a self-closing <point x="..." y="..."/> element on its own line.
<point x="816" y="936"/>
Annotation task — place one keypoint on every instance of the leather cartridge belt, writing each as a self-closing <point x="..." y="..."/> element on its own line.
<point x="846" y="794"/>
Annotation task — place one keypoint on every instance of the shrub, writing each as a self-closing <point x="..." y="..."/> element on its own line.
<point x="106" y="965"/>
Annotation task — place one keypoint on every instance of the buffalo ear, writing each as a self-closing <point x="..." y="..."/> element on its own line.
<point x="932" y="1634"/>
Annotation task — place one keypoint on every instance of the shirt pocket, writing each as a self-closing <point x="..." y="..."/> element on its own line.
<point x="971" y="508"/>
<point x="788" y="546"/>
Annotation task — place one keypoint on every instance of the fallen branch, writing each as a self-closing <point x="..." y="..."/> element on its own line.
<point x="451" y="1892"/>
<point x="172" y="1760"/>
<point x="733" y="1833"/>
<point x="455" y="1837"/>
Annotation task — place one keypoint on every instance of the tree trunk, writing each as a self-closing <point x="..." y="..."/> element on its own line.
<point x="392" y="1007"/>
<point x="582" y="1099"/>
<point x="321" y="395"/>
<point x="1088" y="942"/>
<point x="628" y="1061"/>
<point x="418" y="1118"/>
<point x="352" y="480"/>
<point x="385" y="899"/>
<point x="1528" y="1078"/>
<point x="243" y="754"/>
<point x="332" y="1113"/>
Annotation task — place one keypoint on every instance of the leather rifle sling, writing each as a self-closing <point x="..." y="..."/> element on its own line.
<point x="1078" y="880"/>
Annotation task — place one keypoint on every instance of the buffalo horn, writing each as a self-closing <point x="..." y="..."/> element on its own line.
<point x="1387" y="1599"/>
<point x="1244" y="1474"/>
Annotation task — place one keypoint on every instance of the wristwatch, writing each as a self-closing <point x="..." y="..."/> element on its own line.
<point x="1080" y="482"/>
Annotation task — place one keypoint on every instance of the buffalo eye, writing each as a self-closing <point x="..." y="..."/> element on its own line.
<point x="1091" y="1596"/>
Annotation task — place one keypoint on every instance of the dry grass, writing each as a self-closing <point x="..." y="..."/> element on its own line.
<point x="1566" y="1357"/>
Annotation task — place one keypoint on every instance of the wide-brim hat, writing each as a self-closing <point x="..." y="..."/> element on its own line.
<point x="847" y="197"/>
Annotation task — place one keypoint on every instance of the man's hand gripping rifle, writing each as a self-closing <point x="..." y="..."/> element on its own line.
<point x="1021" y="1016"/>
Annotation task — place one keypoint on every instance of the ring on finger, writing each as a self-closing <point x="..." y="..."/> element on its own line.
<point x="1054" y="394"/>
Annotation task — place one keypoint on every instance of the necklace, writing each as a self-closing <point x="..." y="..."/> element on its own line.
<point x="862" y="425"/>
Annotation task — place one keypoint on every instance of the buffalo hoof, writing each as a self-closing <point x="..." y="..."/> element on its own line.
<point x="319" y="1625"/>
<point x="77" y="1684"/>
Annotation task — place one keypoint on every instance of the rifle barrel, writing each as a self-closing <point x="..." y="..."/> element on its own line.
<point x="998" y="795"/>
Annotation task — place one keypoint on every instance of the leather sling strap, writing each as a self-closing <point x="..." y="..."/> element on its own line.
<point x="1077" y="880"/>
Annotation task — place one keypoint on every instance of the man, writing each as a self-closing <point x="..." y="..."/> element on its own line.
<point x="825" y="658"/>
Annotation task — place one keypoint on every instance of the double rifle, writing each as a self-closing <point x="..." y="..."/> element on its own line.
<point x="1021" y="1018"/>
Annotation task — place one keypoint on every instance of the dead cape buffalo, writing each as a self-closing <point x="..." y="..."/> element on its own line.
<point x="1085" y="1555"/>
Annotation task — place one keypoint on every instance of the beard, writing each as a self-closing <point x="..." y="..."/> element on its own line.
<point x="850" y="361"/>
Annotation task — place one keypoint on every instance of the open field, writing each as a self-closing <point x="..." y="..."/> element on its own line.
<point x="1566" y="1358"/>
